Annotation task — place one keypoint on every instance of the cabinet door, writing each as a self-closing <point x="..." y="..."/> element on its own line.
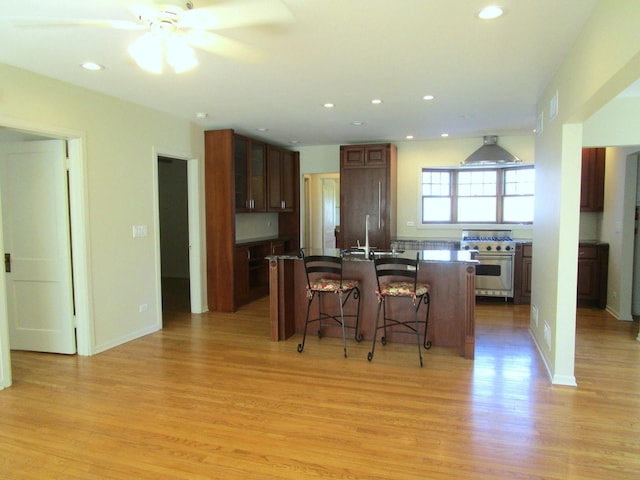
<point x="274" y="175"/>
<point x="592" y="180"/>
<point x="241" y="275"/>
<point x="375" y="155"/>
<point x="588" y="273"/>
<point x="363" y="192"/>
<point x="352" y="156"/>
<point x="241" y="172"/>
<point x="258" y="177"/>
<point x="289" y="180"/>
<point x="281" y="178"/>
<point x="587" y="279"/>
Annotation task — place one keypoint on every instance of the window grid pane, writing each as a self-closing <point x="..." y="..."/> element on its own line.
<point x="478" y="194"/>
<point x="436" y="196"/>
<point x="477" y="183"/>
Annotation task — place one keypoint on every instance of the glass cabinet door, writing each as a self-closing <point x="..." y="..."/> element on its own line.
<point x="258" y="174"/>
<point x="241" y="170"/>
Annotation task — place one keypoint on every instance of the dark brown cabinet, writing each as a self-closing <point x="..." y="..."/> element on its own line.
<point x="281" y="175"/>
<point x="592" y="180"/>
<point x="522" y="273"/>
<point x="250" y="172"/>
<point x="368" y="176"/>
<point x="236" y="183"/>
<point x="593" y="270"/>
<point x="593" y="260"/>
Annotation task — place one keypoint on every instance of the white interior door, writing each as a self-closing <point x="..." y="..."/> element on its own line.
<point x="35" y="222"/>
<point x="329" y="205"/>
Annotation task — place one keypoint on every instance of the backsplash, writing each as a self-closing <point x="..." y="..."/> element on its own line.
<point x="251" y="226"/>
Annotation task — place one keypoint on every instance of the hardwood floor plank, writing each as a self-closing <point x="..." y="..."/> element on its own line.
<point x="211" y="396"/>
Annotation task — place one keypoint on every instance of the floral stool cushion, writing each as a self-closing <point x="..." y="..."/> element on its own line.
<point x="332" y="285"/>
<point x="402" y="289"/>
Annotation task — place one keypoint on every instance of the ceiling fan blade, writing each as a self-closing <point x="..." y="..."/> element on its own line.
<point x="67" y="22"/>
<point x="220" y="45"/>
<point x="240" y="13"/>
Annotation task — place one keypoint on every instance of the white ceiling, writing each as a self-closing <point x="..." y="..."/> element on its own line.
<point x="486" y="75"/>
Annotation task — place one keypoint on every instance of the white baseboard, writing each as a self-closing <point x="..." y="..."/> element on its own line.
<point x="127" y="338"/>
<point x="568" y="380"/>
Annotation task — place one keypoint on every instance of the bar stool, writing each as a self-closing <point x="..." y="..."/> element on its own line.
<point x="398" y="278"/>
<point x="324" y="275"/>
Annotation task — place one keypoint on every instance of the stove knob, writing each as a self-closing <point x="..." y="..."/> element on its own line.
<point x="475" y="247"/>
<point x="488" y="247"/>
<point x="507" y="248"/>
<point x="466" y="247"/>
<point x="498" y="248"/>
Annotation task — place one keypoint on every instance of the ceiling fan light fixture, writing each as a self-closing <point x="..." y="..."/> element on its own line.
<point x="179" y="55"/>
<point x="147" y="52"/>
<point x="150" y="50"/>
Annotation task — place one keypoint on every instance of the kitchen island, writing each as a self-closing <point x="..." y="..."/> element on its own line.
<point x="450" y="274"/>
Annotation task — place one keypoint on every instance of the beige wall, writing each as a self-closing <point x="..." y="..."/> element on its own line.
<point x="597" y="68"/>
<point x="120" y="142"/>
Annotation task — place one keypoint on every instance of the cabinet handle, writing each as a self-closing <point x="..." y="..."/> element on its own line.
<point x="7" y="262"/>
<point x="379" y="205"/>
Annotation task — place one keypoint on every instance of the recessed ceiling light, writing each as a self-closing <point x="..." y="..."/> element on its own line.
<point x="328" y="105"/>
<point x="201" y="115"/>
<point x="376" y="101"/>
<point x="262" y="129"/>
<point x="490" y="12"/>
<point x="428" y="97"/>
<point x="294" y="142"/>
<point x="409" y="137"/>
<point x="444" y="135"/>
<point x="357" y="124"/>
<point x="94" y="67"/>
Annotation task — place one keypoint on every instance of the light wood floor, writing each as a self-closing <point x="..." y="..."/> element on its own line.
<point x="211" y="397"/>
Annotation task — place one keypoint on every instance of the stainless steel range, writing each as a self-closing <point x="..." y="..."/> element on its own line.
<point x="496" y="251"/>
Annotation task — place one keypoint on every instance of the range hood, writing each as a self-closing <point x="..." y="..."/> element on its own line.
<point x="490" y="154"/>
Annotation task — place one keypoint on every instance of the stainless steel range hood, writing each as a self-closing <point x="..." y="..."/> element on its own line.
<point x="490" y="154"/>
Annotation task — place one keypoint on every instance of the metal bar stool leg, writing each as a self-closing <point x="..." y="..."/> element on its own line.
<point x="427" y="300"/>
<point x="415" y="319"/>
<point x="306" y="323"/>
<point x="344" y="336"/>
<point x="375" y="331"/>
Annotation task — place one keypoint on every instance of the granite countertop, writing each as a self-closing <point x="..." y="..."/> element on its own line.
<point x="448" y="256"/>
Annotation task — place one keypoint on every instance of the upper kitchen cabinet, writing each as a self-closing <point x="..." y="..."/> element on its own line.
<point x="282" y="175"/>
<point x="368" y="177"/>
<point x="592" y="182"/>
<point x="249" y="158"/>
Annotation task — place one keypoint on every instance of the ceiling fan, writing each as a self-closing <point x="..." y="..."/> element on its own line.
<point x="173" y="27"/>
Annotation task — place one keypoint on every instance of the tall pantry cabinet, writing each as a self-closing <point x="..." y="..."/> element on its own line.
<point x="368" y="177"/>
<point x="239" y="172"/>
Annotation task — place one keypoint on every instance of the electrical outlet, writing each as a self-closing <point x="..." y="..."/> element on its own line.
<point x="534" y="315"/>
<point x="143" y="307"/>
<point x="410" y="223"/>
<point x="140" y="231"/>
<point x="547" y="335"/>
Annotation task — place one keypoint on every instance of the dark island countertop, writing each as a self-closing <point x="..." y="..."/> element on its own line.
<point x="448" y="256"/>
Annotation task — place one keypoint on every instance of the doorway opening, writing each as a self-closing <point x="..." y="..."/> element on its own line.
<point x="322" y="210"/>
<point x="173" y="209"/>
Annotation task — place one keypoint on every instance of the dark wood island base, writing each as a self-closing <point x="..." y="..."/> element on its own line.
<point x="451" y="275"/>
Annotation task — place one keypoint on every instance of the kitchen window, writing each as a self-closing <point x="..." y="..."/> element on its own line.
<point x="487" y="195"/>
